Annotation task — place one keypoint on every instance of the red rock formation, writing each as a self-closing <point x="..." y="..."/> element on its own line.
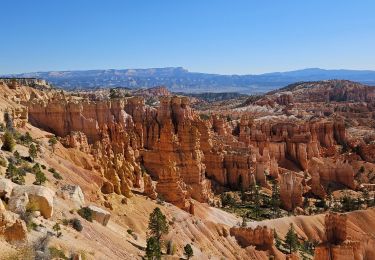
<point x="261" y="237"/>
<point x="291" y="191"/>
<point x="76" y="140"/>
<point x="149" y="188"/>
<point x="291" y="140"/>
<point x="335" y="228"/>
<point x="325" y="170"/>
<point x="336" y="244"/>
<point x="171" y="187"/>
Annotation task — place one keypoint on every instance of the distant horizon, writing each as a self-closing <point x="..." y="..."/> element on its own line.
<point x="190" y="71"/>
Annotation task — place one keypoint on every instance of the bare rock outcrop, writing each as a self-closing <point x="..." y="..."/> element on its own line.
<point x="100" y="215"/>
<point x="38" y="197"/>
<point x="325" y="170"/>
<point x="261" y="237"/>
<point x="12" y="228"/>
<point x="291" y="191"/>
<point x="337" y="244"/>
<point x="149" y="188"/>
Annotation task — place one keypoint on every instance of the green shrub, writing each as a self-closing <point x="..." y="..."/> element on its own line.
<point x="52" y="170"/>
<point x="9" y="142"/>
<point x="57" y="176"/>
<point x="3" y="162"/>
<point x="85" y="213"/>
<point x="56" y="253"/>
<point x="76" y="224"/>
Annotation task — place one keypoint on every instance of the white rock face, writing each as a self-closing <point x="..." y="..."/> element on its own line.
<point x="39" y="198"/>
<point x="74" y="193"/>
<point x="100" y="215"/>
<point x="2" y="207"/>
<point x="6" y="187"/>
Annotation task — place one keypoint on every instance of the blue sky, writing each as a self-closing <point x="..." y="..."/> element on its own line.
<point x="218" y="36"/>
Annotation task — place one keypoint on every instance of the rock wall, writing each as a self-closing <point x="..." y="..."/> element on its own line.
<point x="336" y="244"/>
<point x="297" y="141"/>
<point x="291" y="191"/>
<point x="326" y="170"/>
<point x="261" y="237"/>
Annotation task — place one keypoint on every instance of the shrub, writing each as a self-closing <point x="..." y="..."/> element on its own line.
<point x="15" y="174"/>
<point x="188" y="251"/>
<point x="9" y="142"/>
<point x="85" y="213"/>
<point x="8" y="121"/>
<point x="52" y="142"/>
<point x="3" y="162"/>
<point x="56" y="253"/>
<point x="227" y="199"/>
<point x="33" y="152"/>
<point x="204" y="117"/>
<point x="40" y="178"/>
<point x="26" y="139"/>
<point x="57" y="176"/>
<point x="76" y="224"/>
<point x="52" y="170"/>
<point x="57" y="229"/>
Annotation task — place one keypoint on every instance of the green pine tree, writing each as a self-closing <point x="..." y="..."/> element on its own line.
<point x="157" y="224"/>
<point x="257" y="201"/>
<point x="275" y="200"/>
<point x="291" y="239"/>
<point x="40" y="178"/>
<point x="153" y="251"/>
<point x="14" y="174"/>
<point x="33" y="153"/>
<point x="52" y="142"/>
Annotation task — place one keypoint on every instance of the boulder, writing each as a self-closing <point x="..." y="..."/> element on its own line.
<point x="32" y="196"/>
<point x="74" y="193"/>
<point x="2" y="207"/>
<point x="12" y="228"/>
<point x="6" y="187"/>
<point x="100" y="215"/>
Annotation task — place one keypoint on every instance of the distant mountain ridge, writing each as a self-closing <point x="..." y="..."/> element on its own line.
<point x="179" y="79"/>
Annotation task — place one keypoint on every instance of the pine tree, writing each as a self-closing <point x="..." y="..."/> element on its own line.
<point x="40" y="178"/>
<point x="9" y="122"/>
<point x="275" y="200"/>
<point x="257" y="201"/>
<point x="33" y="153"/>
<point x="366" y="197"/>
<point x="188" y="251"/>
<point x="14" y="174"/>
<point x="277" y="239"/>
<point x="52" y="142"/>
<point x="17" y="157"/>
<point x="291" y="239"/>
<point x="9" y="142"/>
<point x="153" y="251"/>
<point x="157" y="224"/>
<point x="57" y="229"/>
<point x="26" y="139"/>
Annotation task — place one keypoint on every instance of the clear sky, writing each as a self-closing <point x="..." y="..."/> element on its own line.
<point x="219" y="36"/>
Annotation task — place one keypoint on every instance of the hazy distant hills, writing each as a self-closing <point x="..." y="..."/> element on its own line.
<point x="178" y="79"/>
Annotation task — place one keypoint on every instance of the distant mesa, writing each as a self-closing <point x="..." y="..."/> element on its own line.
<point x="178" y="79"/>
